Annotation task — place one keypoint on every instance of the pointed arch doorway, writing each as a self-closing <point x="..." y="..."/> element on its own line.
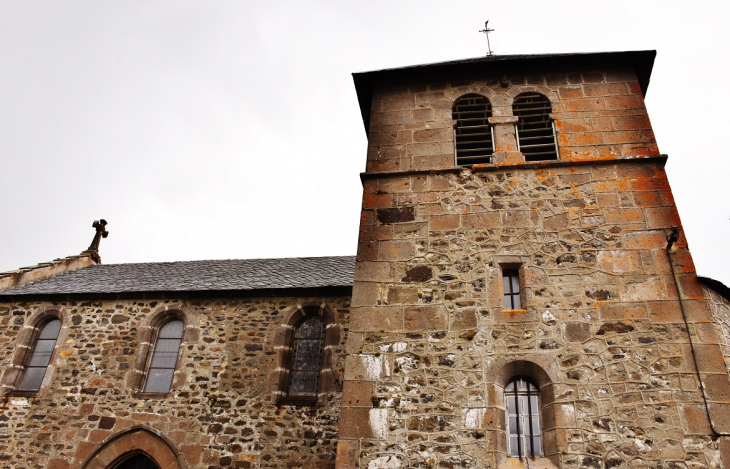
<point x="136" y="448"/>
<point x="138" y="461"/>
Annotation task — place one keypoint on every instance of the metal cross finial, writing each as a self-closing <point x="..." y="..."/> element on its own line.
<point x="101" y="232"/>
<point x="486" y="31"/>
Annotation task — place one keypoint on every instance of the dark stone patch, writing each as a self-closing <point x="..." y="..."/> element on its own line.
<point x="119" y="318"/>
<point x="618" y="327"/>
<point x="600" y="295"/>
<point x="420" y="273"/>
<point x="388" y="216"/>
<point x="107" y="423"/>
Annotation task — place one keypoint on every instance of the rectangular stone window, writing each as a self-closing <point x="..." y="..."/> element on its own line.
<point x="511" y="288"/>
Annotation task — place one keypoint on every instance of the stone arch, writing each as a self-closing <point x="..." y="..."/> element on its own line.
<point x="137" y="440"/>
<point x="147" y="337"/>
<point x="284" y="339"/>
<point x="24" y="345"/>
<point x="540" y="369"/>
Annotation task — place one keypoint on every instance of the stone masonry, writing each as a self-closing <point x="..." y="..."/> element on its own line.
<point x="603" y="331"/>
<point x="628" y="351"/>
<point x="220" y="412"/>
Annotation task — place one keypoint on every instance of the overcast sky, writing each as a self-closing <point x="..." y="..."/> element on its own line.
<point x="230" y="129"/>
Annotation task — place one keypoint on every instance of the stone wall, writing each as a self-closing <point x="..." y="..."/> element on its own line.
<point x="598" y="114"/>
<point x="602" y="331"/>
<point x="220" y="412"/>
<point x="720" y="308"/>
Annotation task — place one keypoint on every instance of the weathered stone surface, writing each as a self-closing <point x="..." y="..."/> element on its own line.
<point x="220" y="411"/>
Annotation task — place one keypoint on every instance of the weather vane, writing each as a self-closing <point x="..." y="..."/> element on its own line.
<point x="486" y="31"/>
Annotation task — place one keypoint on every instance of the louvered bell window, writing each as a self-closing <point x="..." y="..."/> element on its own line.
<point x="535" y="129"/>
<point x="473" y="137"/>
<point x="307" y="359"/>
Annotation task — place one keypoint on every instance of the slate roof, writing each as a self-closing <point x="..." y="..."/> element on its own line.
<point x="198" y="276"/>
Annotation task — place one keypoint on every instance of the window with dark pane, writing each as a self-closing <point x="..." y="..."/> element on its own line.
<point x="524" y="436"/>
<point x="164" y="357"/>
<point x="511" y="289"/>
<point x="473" y="139"/>
<point x="139" y="461"/>
<point x="535" y="129"/>
<point x="307" y="358"/>
<point x="35" y="367"/>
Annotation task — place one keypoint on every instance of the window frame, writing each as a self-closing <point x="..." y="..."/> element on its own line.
<point x="305" y="398"/>
<point x="12" y="375"/>
<point x="520" y="121"/>
<point x="283" y="342"/>
<point x="148" y="352"/>
<point x="30" y="349"/>
<point x="515" y="269"/>
<point x="489" y="129"/>
<point x="530" y="416"/>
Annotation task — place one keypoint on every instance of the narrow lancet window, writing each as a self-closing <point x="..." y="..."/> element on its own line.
<point x="524" y="435"/>
<point x="164" y="357"/>
<point x="535" y="129"/>
<point x="307" y="359"/>
<point x="40" y="357"/>
<point x="473" y="139"/>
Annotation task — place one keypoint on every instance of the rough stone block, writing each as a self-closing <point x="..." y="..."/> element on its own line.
<point x="347" y="453"/>
<point x="366" y="367"/>
<point x="433" y="135"/>
<point x="710" y="359"/>
<point x="662" y="217"/>
<point x="442" y="160"/>
<point x="444" y="222"/>
<point x="695" y="417"/>
<point x="720" y="415"/>
<point x="480" y="221"/>
<point x="556" y="222"/>
<point x="358" y="394"/>
<point x="365" y="319"/>
<point x="399" y="250"/>
<point x="621" y="311"/>
<point x="463" y="320"/>
<point x="355" y="423"/>
<point x="517" y="218"/>
<point x="576" y="331"/>
<point x="605" y="89"/>
<point x="507" y="316"/>
<point x="372" y="272"/>
<point x="425" y="318"/>
<point x="665" y="312"/>
<point x="717" y="386"/>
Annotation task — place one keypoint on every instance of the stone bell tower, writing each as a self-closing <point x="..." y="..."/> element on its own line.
<point x="521" y="295"/>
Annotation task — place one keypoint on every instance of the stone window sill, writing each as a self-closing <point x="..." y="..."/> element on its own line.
<point x="152" y="395"/>
<point x="19" y="393"/>
<point x="527" y="463"/>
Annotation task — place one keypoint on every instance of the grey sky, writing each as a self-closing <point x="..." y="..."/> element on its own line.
<point x="222" y="129"/>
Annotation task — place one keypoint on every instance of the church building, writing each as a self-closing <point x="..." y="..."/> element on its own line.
<point x="523" y="296"/>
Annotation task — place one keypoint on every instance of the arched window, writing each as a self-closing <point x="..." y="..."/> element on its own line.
<point x="164" y="357"/>
<point x="306" y="364"/>
<point x="40" y="356"/>
<point x="535" y="130"/>
<point x="138" y="461"/>
<point x="524" y="434"/>
<point x="473" y="138"/>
